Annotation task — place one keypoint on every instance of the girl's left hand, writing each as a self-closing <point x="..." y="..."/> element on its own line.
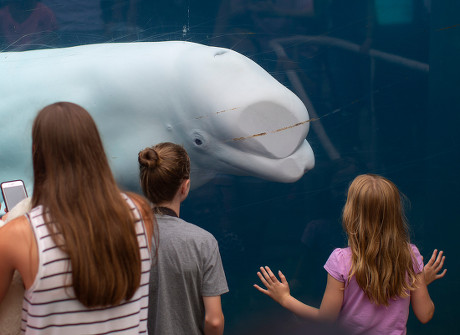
<point x="276" y="290"/>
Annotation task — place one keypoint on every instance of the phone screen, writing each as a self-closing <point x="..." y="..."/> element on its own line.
<point x="13" y="192"/>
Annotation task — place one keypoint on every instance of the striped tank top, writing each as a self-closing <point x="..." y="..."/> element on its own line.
<point x="49" y="307"/>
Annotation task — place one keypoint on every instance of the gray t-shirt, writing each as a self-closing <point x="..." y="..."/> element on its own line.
<point x="188" y="267"/>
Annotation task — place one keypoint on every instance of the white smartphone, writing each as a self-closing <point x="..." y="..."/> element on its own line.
<point x="13" y="192"/>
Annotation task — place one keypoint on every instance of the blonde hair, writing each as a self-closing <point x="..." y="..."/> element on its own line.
<point x="374" y="220"/>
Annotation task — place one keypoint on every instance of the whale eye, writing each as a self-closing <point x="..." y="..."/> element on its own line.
<point x="199" y="139"/>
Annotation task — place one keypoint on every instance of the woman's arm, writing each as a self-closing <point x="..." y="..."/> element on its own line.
<point x="6" y="264"/>
<point x="18" y="251"/>
<point x="279" y="291"/>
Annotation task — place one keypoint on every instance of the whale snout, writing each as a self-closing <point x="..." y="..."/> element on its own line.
<point x="267" y="139"/>
<point x="271" y="129"/>
<point x="292" y="168"/>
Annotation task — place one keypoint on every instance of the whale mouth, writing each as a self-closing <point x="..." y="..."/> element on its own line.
<point x="286" y="170"/>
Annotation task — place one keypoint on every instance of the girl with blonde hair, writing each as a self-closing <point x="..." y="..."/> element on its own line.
<point x="372" y="282"/>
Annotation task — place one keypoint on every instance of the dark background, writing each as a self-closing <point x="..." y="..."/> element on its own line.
<point x="399" y="119"/>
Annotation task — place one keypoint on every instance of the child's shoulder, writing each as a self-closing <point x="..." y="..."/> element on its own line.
<point x="414" y="248"/>
<point x="340" y="256"/>
<point x="416" y="258"/>
<point x="338" y="264"/>
<point x="341" y="252"/>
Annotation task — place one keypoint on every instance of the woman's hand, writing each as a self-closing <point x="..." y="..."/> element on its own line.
<point x="434" y="265"/>
<point x="278" y="291"/>
<point x="3" y="218"/>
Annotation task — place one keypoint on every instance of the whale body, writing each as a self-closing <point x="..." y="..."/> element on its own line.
<point x="231" y="116"/>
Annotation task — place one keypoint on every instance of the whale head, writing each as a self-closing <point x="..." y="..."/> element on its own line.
<point x="242" y="121"/>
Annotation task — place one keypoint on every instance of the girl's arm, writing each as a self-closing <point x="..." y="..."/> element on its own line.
<point x="279" y="291"/>
<point x="420" y="299"/>
<point x="421" y="302"/>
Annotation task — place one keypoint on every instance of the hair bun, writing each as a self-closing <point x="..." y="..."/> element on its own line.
<point x="148" y="158"/>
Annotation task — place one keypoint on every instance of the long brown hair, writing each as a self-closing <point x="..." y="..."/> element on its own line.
<point x="86" y="213"/>
<point x="374" y="220"/>
<point x="163" y="168"/>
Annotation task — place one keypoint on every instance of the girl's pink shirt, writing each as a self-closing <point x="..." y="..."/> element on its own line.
<point x="358" y="314"/>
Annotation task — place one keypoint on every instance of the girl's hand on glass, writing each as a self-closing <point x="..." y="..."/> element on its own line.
<point x="434" y="266"/>
<point x="275" y="289"/>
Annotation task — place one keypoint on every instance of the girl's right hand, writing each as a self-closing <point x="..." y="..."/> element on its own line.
<point x="278" y="291"/>
<point x="434" y="265"/>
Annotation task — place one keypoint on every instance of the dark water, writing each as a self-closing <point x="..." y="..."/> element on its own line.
<point x="398" y="118"/>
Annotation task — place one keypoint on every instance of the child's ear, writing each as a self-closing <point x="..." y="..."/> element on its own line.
<point x="185" y="188"/>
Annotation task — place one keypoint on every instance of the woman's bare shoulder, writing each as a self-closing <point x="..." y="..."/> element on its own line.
<point x="14" y="233"/>
<point x="18" y="248"/>
<point x="17" y="226"/>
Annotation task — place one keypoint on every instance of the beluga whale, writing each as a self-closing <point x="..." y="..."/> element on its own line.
<point x="229" y="113"/>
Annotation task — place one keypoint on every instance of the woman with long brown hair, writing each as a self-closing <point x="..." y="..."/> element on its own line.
<point x="83" y="251"/>
<point x="372" y="282"/>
